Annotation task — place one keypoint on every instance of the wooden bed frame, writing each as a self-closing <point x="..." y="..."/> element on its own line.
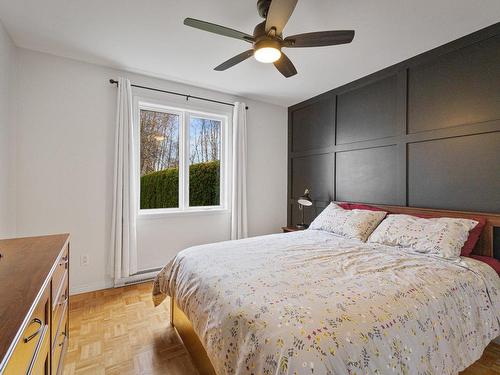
<point x="198" y="353"/>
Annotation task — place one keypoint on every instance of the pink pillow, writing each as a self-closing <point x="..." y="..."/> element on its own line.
<point x="469" y="245"/>
<point x="494" y="263"/>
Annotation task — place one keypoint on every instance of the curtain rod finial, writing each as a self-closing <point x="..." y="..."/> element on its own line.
<point x="113" y="81"/>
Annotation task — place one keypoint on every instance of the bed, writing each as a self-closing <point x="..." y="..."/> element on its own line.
<point x="312" y="302"/>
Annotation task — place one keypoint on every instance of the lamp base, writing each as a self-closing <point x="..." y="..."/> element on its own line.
<point x="302" y="226"/>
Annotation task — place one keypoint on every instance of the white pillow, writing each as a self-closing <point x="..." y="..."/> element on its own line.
<point x="357" y="224"/>
<point x="442" y="236"/>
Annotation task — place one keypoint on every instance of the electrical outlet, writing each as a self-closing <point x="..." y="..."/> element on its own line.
<point x="84" y="260"/>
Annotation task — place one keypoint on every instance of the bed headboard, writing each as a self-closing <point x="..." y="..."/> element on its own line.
<point x="485" y="244"/>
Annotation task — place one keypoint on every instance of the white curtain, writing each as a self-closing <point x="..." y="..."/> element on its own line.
<point x="123" y="236"/>
<point x="239" y="175"/>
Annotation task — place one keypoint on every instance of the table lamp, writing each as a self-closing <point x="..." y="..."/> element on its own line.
<point x="304" y="201"/>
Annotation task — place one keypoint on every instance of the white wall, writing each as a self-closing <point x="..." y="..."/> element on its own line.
<point x="7" y="130"/>
<point x="65" y="157"/>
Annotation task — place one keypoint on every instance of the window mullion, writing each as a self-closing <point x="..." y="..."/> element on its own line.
<point x="181" y="162"/>
<point x="185" y="155"/>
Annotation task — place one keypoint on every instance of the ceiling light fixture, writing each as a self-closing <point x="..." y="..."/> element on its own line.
<point x="267" y="51"/>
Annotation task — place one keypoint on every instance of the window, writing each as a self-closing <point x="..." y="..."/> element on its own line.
<point x="204" y="161"/>
<point x="159" y="159"/>
<point x="181" y="161"/>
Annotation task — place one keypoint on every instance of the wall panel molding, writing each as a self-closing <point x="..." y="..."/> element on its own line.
<point x="317" y="151"/>
<point x="460" y="87"/>
<point x="447" y="170"/>
<point x="369" y="112"/>
<point x="425" y="131"/>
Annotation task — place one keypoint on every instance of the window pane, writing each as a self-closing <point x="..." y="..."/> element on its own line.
<point x="204" y="162"/>
<point x="159" y="159"/>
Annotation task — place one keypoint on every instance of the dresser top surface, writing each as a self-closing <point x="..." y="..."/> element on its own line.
<point x="26" y="265"/>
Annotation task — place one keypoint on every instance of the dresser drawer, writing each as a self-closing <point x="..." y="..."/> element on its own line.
<point x="60" y="343"/>
<point x="32" y="337"/>
<point x="59" y="307"/>
<point x="59" y="274"/>
<point x="41" y="362"/>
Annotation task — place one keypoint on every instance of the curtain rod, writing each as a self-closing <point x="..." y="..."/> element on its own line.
<point x="187" y="96"/>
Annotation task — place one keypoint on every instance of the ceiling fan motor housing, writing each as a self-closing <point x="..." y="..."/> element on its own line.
<point x="259" y="32"/>
<point x="267" y="43"/>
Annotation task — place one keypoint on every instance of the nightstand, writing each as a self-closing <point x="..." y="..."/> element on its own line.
<point x="290" y="229"/>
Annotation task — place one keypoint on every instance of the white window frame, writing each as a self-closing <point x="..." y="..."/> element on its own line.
<point x="185" y="113"/>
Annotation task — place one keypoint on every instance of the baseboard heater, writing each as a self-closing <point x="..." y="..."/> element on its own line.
<point x="140" y="277"/>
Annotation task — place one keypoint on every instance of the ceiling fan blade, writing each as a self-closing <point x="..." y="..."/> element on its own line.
<point x="218" y="29"/>
<point x="234" y="60"/>
<point x="319" y="39"/>
<point x="279" y="13"/>
<point x="285" y="66"/>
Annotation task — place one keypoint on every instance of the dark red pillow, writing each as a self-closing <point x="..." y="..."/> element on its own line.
<point x="494" y="263"/>
<point x="474" y="235"/>
<point x="356" y="206"/>
<point x="344" y="205"/>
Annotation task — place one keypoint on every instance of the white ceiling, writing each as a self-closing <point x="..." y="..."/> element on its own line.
<point x="148" y="37"/>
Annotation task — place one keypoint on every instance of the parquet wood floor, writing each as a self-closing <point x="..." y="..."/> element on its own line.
<point x="119" y="332"/>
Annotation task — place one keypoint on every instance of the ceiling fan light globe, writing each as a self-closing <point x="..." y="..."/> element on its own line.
<point x="267" y="54"/>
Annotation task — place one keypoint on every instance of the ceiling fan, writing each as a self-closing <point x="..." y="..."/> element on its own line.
<point x="267" y="39"/>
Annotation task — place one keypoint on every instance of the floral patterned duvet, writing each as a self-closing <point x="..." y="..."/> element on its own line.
<point x="313" y="303"/>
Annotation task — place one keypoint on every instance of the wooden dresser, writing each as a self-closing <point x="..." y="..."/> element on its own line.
<point x="34" y="274"/>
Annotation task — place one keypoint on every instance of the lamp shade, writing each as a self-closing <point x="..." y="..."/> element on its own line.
<point x="305" y="200"/>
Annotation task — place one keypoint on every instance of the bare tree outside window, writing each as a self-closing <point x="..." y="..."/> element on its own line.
<point x="204" y="159"/>
<point x="159" y="160"/>
<point x="159" y="141"/>
<point x="204" y="139"/>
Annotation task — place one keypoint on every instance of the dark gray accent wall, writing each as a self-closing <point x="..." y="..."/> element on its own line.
<point x="458" y="173"/>
<point x="367" y="175"/>
<point x="424" y="132"/>
<point x="368" y="112"/>
<point x="459" y="87"/>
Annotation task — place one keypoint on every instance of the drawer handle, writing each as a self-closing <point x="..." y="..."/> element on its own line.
<point x="33" y="335"/>
<point x="64" y="260"/>
<point x="64" y="300"/>
<point x="63" y="334"/>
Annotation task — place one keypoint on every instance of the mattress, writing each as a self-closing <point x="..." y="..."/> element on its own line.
<point x="310" y="302"/>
